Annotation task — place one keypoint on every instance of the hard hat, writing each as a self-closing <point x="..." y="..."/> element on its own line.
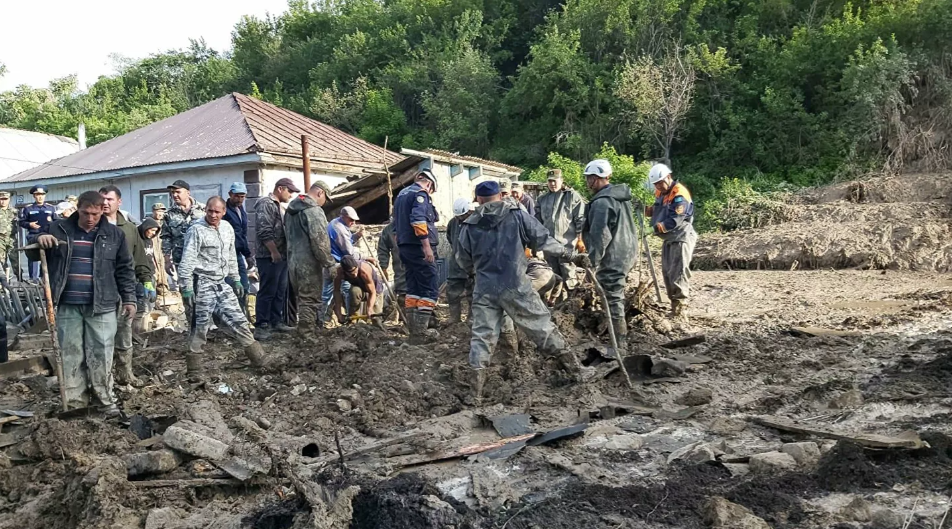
<point x="427" y="175"/>
<point x="658" y="172"/>
<point x="599" y="168"/>
<point x="461" y="206"/>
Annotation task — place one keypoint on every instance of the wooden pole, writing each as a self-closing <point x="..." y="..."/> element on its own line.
<point x="51" y="320"/>
<point x="386" y="167"/>
<point x="306" y="157"/>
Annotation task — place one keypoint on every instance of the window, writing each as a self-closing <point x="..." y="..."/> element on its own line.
<point x="152" y="197"/>
<point x="201" y="194"/>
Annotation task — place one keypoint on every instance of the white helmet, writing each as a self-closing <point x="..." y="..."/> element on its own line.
<point x="599" y="168"/>
<point x="428" y="175"/>
<point x="461" y="206"/>
<point x="658" y="172"/>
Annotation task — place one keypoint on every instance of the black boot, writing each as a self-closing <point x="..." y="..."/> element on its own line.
<point x="194" y="369"/>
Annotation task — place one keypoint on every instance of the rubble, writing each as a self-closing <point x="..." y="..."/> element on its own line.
<point x="184" y="436"/>
<point x="722" y="514"/>
<point x="804" y="454"/>
<point x="772" y="463"/>
<point x="696" y="397"/>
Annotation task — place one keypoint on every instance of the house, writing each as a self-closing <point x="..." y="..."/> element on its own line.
<point x="235" y="138"/>
<point x="23" y="149"/>
<point x="456" y="175"/>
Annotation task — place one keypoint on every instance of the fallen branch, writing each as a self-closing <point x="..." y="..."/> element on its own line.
<point x="908" y="440"/>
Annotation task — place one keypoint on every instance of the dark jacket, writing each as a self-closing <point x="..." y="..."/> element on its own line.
<point x="305" y="226"/>
<point x="492" y="243"/>
<point x="143" y="265"/>
<point x="269" y="226"/>
<point x="414" y="217"/>
<point x="238" y="218"/>
<point x="609" y="232"/>
<point x="672" y="215"/>
<point x="113" y="276"/>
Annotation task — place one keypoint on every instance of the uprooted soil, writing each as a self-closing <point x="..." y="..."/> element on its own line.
<point x="362" y="385"/>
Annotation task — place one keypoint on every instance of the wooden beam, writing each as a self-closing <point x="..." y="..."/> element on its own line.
<point x="379" y="191"/>
<point x="908" y="439"/>
<point x="23" y="365"/>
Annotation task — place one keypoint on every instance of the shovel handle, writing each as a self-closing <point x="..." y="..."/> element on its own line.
<point x="611" y="328"/>
<point x="51" y="320"/>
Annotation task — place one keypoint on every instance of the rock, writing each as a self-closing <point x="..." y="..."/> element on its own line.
<point x="848" y="399"/>
<point x="182" y="436"/>
<point x="298" y="389"/>
<point x="638" y="424"/>
<point x="737" y="470"/>
<point x="663" y="367"/>
<point x="722" y="514"/>
<point x="693" y="453"/>
<point x="857" y="510"/>
<point x="344" y="405"/>
<point x="147" y="463"/>
<point x="264" y="423"/>
<point x="804" y="453"/>
<point x="882" y="518"/>
<point x="624" y="442"/>
<point x="727" y="426"/>
<point x="164" y="518"/>
<point x="696" y="397"/>
<point x="206" y="413"/>
<point x="771" y="463"/>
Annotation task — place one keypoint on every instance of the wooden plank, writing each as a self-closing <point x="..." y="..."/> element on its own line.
<point x="379" y="191"/>
<point x="820" y="331"/>
<point x="186" y="483"/>
<point x="24" y="365"/>
<point x="908" y="439"/>
<point x="685" y="342"/>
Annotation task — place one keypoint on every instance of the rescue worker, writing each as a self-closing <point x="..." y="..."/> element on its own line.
<point x="459" y="283"/>
<point x="544" y="280"/>
<point x="272" y="254"/>
<point x="612" y="242"/>
<point x="562" y="212"/>
<point x="36" y="219"/>
<point x="523" y="198"/>
<point x="343" y="233"/>
<point x="366" y="288"/>
<point x="415" y="219"/>
<point x="8" y="237"/>
<point x="387" y="254"/>
<point x="112" y="201"/>
<point x="236" y="215"/>
<point x="672" y="218"/>
<point x="492" y="244"/>
<point x="208" y="261"/>
<point x="309" y="254"/>
<point x="185" y="210"/>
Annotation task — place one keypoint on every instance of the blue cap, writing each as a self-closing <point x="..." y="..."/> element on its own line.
<point x="239" y="188"/>
<point x="487" y="189"/>
<point x="38" y="189"/>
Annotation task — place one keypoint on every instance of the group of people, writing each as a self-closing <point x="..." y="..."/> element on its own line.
<point x="106" y="271"/>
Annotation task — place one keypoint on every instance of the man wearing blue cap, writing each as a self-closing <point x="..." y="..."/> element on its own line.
<point x="236" y="215"/>
<point x="36" y="219"/>
<point x="492" y="244"/>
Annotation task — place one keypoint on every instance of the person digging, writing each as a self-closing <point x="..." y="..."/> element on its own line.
<point x="366" y="291"/>
<point x="207" y="268"/>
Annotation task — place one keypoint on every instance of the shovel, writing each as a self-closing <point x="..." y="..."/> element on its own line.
<point x="611" y="329"/>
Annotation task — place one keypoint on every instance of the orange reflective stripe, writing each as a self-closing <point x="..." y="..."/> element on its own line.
<point x="411" y="302"/>
<point x="420" y="230"/>
<point x="660" y="227"/>
<point x="677" y="190"/>
<point x="426" y="303"/>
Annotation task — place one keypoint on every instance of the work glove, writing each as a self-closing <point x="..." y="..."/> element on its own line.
<point x="239" y="289"/>
<point x="188" y="299"/>
<point x="579" y="245"/>
<point x="150" y="293"/>
<point x="579" y="259"/>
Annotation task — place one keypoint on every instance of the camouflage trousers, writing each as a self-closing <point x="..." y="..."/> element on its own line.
<point x="217" y="299"/>
<point x="7" y="249"/>
<point x="308" y="283"/>
<point x="526" y="309"/>
<point x="87" y="345"/>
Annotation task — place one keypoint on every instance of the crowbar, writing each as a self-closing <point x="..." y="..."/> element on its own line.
<point x="644" y="241"/>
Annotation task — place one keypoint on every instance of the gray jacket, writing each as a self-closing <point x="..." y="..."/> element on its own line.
<point x="562" y="213"/>
<point x="176" y="224"/>
<point x="492" y="244"/>
<point x="209" y="253"/>
<point x="269" y="226"/>
<point x="609" y="234"/>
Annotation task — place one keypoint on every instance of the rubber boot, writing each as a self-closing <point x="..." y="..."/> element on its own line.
<point x="456" y="313"/>
<point x="621" y="333"/>
<point x="194" y="369"/>
<point x="479" y="380"/>
<point x="123" y="370"/>
<point x="256" y="355"/>
<point x="677" y="308"/>
<point x="509" y="342"/>
<point x="420" y="333"/>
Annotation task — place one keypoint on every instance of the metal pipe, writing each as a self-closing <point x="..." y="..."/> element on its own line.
<point x="306" y="157"/>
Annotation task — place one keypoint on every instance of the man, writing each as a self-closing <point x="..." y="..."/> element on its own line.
<point x="272" y="255"/>
<point x="544" y="280"/>
<point x="112" y="201"/>
<point x="562" y="212"/>
<point x="166" y="279"/>
<point x="309" y="254"/>
<point x="492" y="244"/>
<point x="208" y="260"/>
<point x="343" y="236"/>
<point x="185" y="210"/>
<point x="523" y="198"/>
<point x="8" y="238"/>
<point x="158" y="212"/>
<point x="387" y="254"/>
<point x="611" y="240"/>
<point x="459" y="283"/>
<point x="36" y="219"/>
<point x="90" y="275"/>
<point x="415" y="219"/>
<point x="672" y="218"/>
<point x="236" y="215"/>
<point x="365" y="288"/>
<point x="64" y="209"/>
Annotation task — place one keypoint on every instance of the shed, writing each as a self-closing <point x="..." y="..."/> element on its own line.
<point x="24" y="149"/>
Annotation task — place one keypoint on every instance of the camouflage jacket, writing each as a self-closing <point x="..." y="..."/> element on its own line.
<point x="8" y="224"/>
<point x="175" y="225"/>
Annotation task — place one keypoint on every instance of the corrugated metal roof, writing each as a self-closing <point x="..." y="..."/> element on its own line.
<point x="23" y="149"/>
<point x="230" y="125"/>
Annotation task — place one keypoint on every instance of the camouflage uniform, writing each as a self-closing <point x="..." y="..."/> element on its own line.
<point x="8" y="237"/>
<point x="175" y="225"/>
<point x="309" y="253"/>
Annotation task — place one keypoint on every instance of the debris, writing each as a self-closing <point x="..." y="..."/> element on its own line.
<point x="301" y="388"/>
<point x="182" y="437"/>
<point x="148" y="463"/>
<point x="624" y="442"/>
<point x="771" y="463"/>
<point x="141" y="426"/>
<point x="512" y="425"/>
<point x="560" y="433"/>
<point x="696" y="397"/>
<point x="187" y="483"/>
<point x="225" y="389"/>
<point x="685" y="342"/>
<point x="679" y="415"/>
<point x="263" y="422"/>
<point x="805" y="453"/>
<point x="18" y="413"/>
<point x="820" y="331"/>
<point x="697" y="452"/>
<point x="638" y="425"/>
<point x="7" y="440"/>
<point x="343" y="405"/>
<point x="727" y="426"/>
<point x="737" y="470"/>
<point x="848" y="399"/>
<point x="722" y="514"/>
<point x="908" y="439"/>
<point x="663" y="367"/>
<point x="33" y="364"/>
<point x="242" y="469"/>
<point x="692" y="359"/>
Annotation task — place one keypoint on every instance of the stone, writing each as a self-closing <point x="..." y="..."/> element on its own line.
<point x="639" y="424"/>
<point x="182" y="436"/>
<point x="163" y="518"/>
<point x="264" y="423"/>
<point x="693" y="453"/>
<point x="663" y="367"/>
<point x="804" y="453"/>
<point x="727" y="426"/>
<point x="298" y="389"/>
<point x="696" y="397"/>
<point x="148" y="463"/>
<point x="624" y="442"/>
<point x="848" y="399"/>
<point x="722" y="514"/>
<point x="882" y="518"/>
<point x="857" y="510"/>
<point x="771" y="463"/>
<point x="344" y="405"/>
<point x="737" y="470"/>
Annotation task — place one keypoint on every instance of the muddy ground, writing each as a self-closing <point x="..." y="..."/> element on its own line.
<point x="649" y="468"/>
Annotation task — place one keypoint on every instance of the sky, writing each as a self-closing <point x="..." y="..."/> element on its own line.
<point x="45" y="40"/>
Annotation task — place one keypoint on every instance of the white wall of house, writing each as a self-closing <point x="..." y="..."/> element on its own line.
<point x="271" y="175"/>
